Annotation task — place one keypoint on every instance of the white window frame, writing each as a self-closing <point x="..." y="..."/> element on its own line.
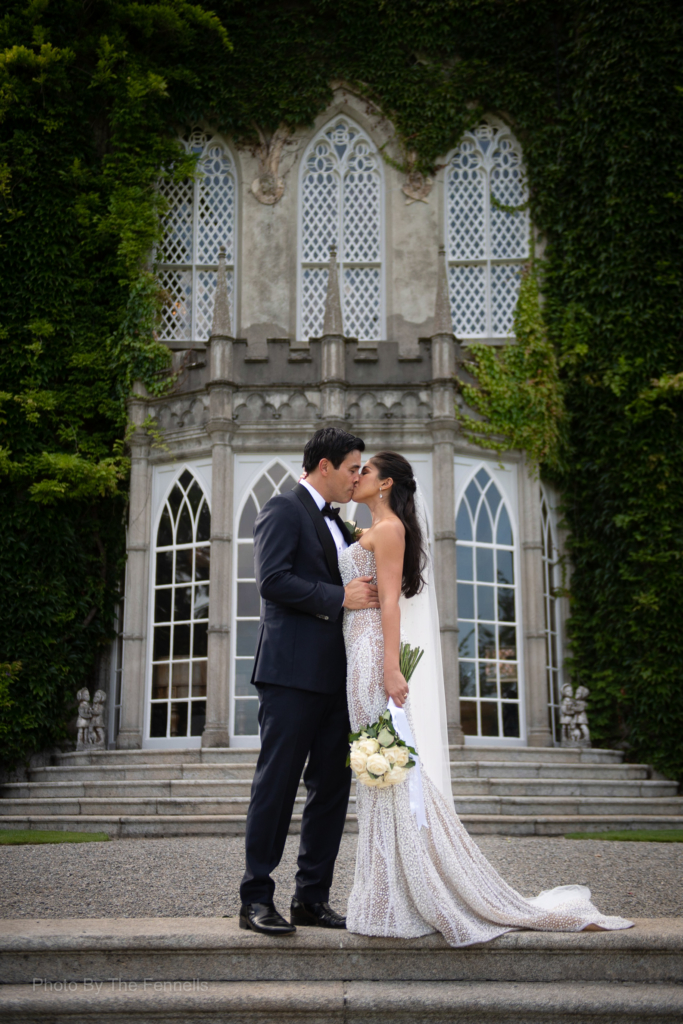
<point x="505" y="477"/>
<point x="303" y="265"/>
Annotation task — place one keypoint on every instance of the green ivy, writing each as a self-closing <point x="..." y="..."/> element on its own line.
<point x="91" y="97"/>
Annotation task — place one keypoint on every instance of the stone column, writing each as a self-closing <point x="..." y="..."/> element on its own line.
<point x="333" y="370"/>
<point x="444" y="430"/>
<point x="137" y="579"/>
<point x="536" y="689"/>
<point x="220" y="428"/>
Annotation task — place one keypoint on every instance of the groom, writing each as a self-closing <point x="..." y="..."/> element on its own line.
<point x="300" y="675"/>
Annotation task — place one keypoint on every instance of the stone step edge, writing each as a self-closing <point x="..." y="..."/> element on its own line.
<point x="343" y="1001"/>
<point x="469" y="800"/>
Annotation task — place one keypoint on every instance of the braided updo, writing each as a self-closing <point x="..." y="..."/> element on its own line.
<point x="402" y="502"/>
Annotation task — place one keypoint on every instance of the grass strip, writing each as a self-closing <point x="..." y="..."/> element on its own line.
<point x="28" y="836"/>
<point x="637" y="835"/>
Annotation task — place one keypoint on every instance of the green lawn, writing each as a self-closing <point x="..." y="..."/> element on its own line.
<point x="642" y="835"/>
<point x="24" y="836"/>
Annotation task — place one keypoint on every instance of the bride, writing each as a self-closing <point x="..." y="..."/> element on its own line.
<point x="417" y="869"/>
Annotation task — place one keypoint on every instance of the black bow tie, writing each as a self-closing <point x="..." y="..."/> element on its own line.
<point x="329" y="512"/>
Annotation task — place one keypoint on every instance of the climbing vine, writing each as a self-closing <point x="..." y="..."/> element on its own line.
<point x="91" y="98"/>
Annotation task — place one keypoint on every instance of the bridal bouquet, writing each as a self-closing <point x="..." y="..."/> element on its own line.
<point x="378" y="755"/>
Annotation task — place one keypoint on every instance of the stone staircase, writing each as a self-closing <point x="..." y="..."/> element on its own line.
<point x="193" y="970"/>
<point x="512" y="791"/>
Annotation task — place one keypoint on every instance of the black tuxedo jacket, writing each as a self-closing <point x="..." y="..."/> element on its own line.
<point x="300" y="641"/>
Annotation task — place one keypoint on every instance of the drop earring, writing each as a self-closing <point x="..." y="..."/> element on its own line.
<point x="380" y="493"/>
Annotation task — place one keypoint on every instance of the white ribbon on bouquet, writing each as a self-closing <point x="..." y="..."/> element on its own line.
<point x="417" y="801"/>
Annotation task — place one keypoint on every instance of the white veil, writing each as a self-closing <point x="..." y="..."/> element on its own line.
<point x="420" y="628"/>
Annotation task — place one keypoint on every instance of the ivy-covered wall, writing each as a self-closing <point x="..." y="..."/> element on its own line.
<point x="90" y="95"/>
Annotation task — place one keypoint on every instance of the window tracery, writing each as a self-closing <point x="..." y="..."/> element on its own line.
<point x="341" y="200"/>
<point x="486" y="246"/>
<point x="200" y="219"/>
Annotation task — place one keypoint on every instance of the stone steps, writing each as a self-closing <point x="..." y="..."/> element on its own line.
<point x="203" y="969"/>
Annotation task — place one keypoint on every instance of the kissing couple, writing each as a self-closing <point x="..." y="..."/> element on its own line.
<point x="335" y="611"/>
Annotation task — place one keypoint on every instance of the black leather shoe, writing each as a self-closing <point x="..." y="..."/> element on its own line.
<point x="319" y="915"/>
<point x="264" y="918"/>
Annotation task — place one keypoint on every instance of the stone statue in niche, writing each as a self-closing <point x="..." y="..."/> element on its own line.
<point x="574" y="717"/>
<point x="268" y="187"/>
<point x="90" y="731"/>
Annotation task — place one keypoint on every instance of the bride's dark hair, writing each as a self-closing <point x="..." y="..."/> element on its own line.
<point x="402" y="502"/>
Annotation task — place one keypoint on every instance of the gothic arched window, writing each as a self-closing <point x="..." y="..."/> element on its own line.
<point x="200" y="219"/>
<point x="181" y="612"/>
<point x="486" y="244"/>
<point x="552" y="624"/>
<point x="341" y="204"/>
<point x="488" y="653"/>
<point x="246" y="600"/>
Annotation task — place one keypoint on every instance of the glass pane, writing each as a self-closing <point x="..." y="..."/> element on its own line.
<point x="263" y="490"/>
<point x="157" y="725"/>
<point x="508" y="680"/>
<point x="484" y="529"/>
<point x="504" y="531"/>
<point x="493" y="498"/>
<point x="179" y="719"/>
<point x="482" y="477"/>
<point x="199" y="679"/>
<point x="174" y="500"/>
<point x="463" y="524"/>
<point x="164" y="567"/>
<point x="465" y="601"/>
<point x="162" y="642"/>
<point x="202" y="561"/>
<point x="468" y="679"/>
<point x="159" y="682"/>
<point x="246" y="638"/>
<point x="485" y="602"/>
<point x="162" y="605"/>
<point x="485" y="565"/>
<point x="464" y="562"/>
<point x="466" y="647"/>
<point x="487" y="641"/>
<point x="201" y="637"/>
<point x="198" y="719"/>
<point x="243" y="670"/>
<point x="246" y="717"/>
<point x="245" y="561"/>
<point x="204" y="523"/>
<point x="288" y="484"/>
<point x="201" y="602"/>
<point x="506" y="604"/>
<point x="488" y="682"/>
<point x="472" y="495"/>
<point x="181" y="642"/>
<point x="489" y="718"/>
<point x="183" y="566"/>
<point x="507" y="643"/>
<point x="182" y="604"/>
<point x="184" y="532"/>
<point x="248" y="600"/>
<point x="165" y="533"/>
<point x="505" y="567"/>
<point x="511" y="720"/>
<point x="468" y="717"/>
<point x="186" y="479"/>
<point x="277" y="472"/>
<point x="180" y="682"/>
<point x="195" y="495"/>
<point x="247" y="520"/>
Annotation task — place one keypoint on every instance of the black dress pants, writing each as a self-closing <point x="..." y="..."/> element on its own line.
<point x="294" y="725"/>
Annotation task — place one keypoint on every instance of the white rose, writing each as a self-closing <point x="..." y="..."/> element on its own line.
<point x="367" y="780"/>
<point x="397" y="775"/>
<point x="368" y="746"/>
<point x="402" y="757"/>
<point x="390" y="753"/>
<point x="358" y="760"/>
<point x="377" y="764"/>
<point x="383" y="783"/>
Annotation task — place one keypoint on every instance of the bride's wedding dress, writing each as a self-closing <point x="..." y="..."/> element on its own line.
<point x="411" y="881"/>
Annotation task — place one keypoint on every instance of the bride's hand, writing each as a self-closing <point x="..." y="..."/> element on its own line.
<point x="395" y="686"/>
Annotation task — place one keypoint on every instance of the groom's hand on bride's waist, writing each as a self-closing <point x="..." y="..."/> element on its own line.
<point x="361" y="593"/>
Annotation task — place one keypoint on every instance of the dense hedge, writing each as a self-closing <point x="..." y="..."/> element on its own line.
<point x="90" y="94"/>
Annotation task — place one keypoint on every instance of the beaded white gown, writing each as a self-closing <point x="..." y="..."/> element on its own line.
<point x="411" y="881"/>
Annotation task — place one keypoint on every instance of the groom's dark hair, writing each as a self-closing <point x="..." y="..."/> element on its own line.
<point x="331" y="443"/>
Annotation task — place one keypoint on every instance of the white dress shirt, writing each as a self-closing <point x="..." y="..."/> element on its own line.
<point x="337" y="535"/>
